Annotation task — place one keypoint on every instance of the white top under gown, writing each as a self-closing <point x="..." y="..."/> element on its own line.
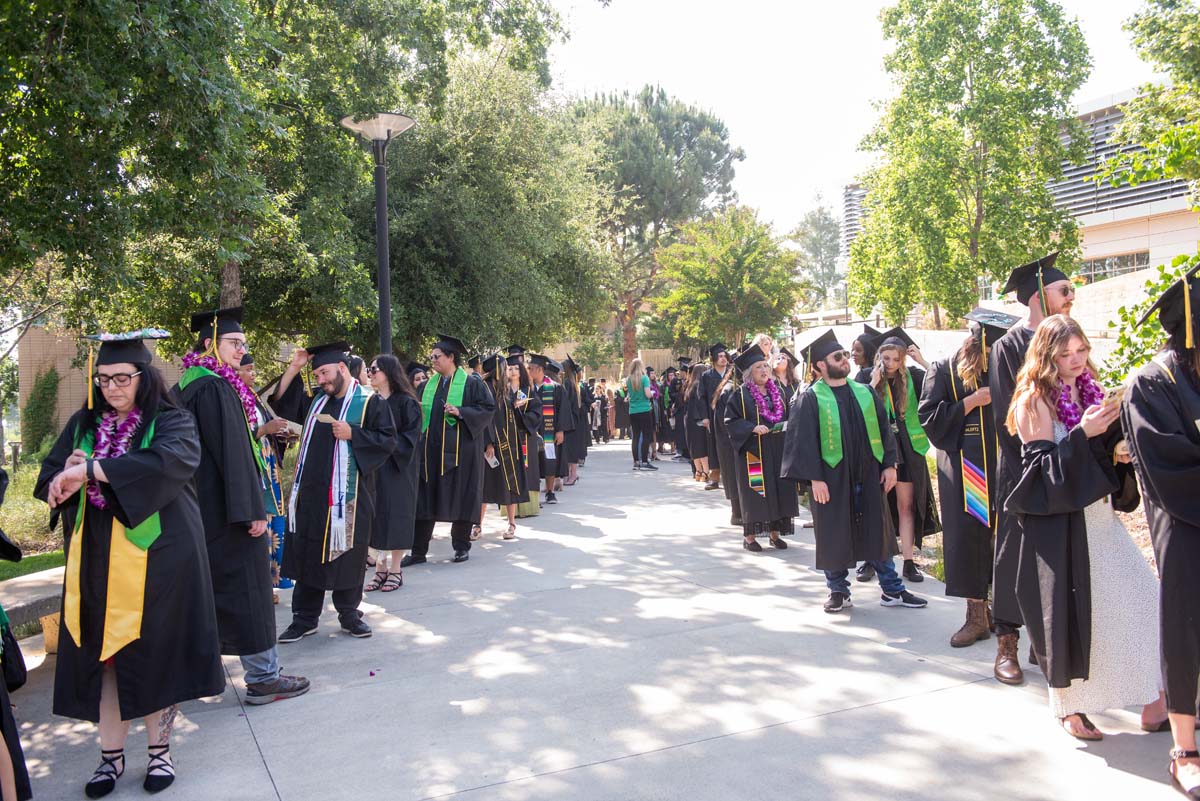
<point x="1124" y="665"/>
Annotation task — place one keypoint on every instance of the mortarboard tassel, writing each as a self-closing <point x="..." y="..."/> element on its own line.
<point x="91" y="381"/>
<point x="1042" y="292"/>
<point x="1189" y="338"/>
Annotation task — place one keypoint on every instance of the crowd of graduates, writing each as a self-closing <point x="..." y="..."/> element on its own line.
<point x="179" y="530"/>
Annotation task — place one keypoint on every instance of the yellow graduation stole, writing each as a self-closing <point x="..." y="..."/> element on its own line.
<point x="127" y="558"/>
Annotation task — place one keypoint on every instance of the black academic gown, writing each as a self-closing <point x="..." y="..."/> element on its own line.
<point x="863" y="376"/>
<point x="583" y="425"/>
<point x="529" y="420"/>
<point x="575" y="436"/>
<point x="232" y="496"/>
<point x="727" y="453"/>
<point x="967" y="543"/>
<point x="696" y="434"/>
<point x="371" y="443"/>
<point x="709" y="381"/>
<point x="1161" y="419"/>
<point x="396" y="480"/>
<point x="774" y="508"/>
<point x="507" y="482"/>
<point x="1054" y="591"/>
<point x="1007" y="356"/>
<point x="452" y="465"/>
<point x="555" y="423"/>
<point x="926" y="520"/>
<point x="178" y="656"/>
<point x="854" y="526"/>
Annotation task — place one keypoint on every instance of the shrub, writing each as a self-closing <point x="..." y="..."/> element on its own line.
<point x="39" y="419"/>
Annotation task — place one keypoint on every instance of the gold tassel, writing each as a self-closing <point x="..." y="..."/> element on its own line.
<point x="1189" y="338"/>
<point x="91" y="378"/>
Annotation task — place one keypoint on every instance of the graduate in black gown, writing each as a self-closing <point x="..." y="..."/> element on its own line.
<point x="555" y="415"/>
<point x="720" y="372"/>
<point x="348" y="436"/>
<point x="578" y="401"/>
<point x="1161" y="418"/>
<point x="14" y="775"/>
<point x="666" y="418"/>
<point x="726" y="451"/>
<point x="862" y="351"/>
<point x="505" y="479"/>
<point x="139" y="634"/>
<point x="755" y="415"/>
<point x="1045" y="290"/>
<point x="784" y="374"/>
<point x="694" y="413"/>
<point x="911" y="502"/>
<point x="417" y="374"/>
<point x="953" y="411"/>
<point x="396" y="481"/>
<point x="456" y="409"/>
<point x="838" y="441"/>
<point x="529" y="423"/>
<point x="235" y="499"/>
<point x="679" y="410"/>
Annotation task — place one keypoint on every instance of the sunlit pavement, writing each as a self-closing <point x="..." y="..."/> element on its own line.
<point x="623" y="647"/>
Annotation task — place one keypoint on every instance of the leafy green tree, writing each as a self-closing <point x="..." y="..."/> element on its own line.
<point x="666" y="163"/>
<point x="730" y="276"/>
<point x="1136" y="344"/>
<point x="967" y="146"/>
<point x="9" y="385"/>
<point x="818" y="239"/>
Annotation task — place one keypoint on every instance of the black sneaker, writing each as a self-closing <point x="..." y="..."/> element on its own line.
<point x="905" y="598"/>
<point x="461" y="556"/>
<point x="409" y="560"/>
<point x="283" y="687"/>
<point x="648" y="466"/>
<point x="551" y="498"/>
<point x="637" y="465"/>
<point x="837" y="602"/>
<point x="296" y="632"/>
<point x="865" y="572"/>
<point x="912" y="572"/>
<point x="357" y="628"/>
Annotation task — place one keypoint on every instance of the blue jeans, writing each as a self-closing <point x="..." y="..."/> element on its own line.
<point x="261" y="667"/>
<point x="889" y="580"/>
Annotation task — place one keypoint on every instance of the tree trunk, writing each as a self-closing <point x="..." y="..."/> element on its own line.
<point x="937" y="317"/>
<point x="231" y="285"/>
<point x="628" y="321"/>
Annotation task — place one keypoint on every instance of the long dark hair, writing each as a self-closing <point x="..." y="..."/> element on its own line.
<point x="525" y="384"/>
<point x="693" y="379"/>
<point x="151" y="398"/>
<point x="1188" y="360"/>
<point x="390" y="366"/>
<point x="972" y="361"/>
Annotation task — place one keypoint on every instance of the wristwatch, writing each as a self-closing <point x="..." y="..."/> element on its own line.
<point x="91" y="469"/>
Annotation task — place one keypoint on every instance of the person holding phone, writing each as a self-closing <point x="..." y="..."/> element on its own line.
<point x="505" y="477"/>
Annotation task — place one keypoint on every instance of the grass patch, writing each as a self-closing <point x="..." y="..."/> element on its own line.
<point x="24" y="519"/>
<point x="32" y="564"/>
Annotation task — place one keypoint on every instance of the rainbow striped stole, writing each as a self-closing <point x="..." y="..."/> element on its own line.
<point x="754" y="473"/>
<point x="975" y="492"/>
<point x="548" y="412"/>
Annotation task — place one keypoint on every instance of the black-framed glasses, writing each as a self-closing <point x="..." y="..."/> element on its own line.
<point x="116" y="379"/>
<point x="238" y="344"/>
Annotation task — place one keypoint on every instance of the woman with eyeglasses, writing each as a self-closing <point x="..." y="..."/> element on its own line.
<point x="396" y="479"/>
<point x="139" y="631"/>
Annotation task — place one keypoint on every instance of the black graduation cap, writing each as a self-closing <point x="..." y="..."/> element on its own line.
<point x="229" y="321"/>
<point x="329" y="354"/>
<point x="748" y="358"/>
<point x="991" y="323"/>
<point x="516" y="350"/>
<point x="894" y="336"/>
<point x="515" y="358"/>
<point x="684" y="362"/>
<point x="126" y="348"/>
<point x="553" y="367"/>
<point x="822" y="346"/>
<point x="715" y="350"/>
<point x="449" y="344"/>
<point x="413" y="368"/>
<point x="246" y="359"/>
<point x="571" y="364"/>
<point x="1177" y="307"/>
<point x="790" y="355"/>
<point x="474" y="360"/>
<point x="1028" y="279"/>
<point x="8" y="550"/>
<point x="539" y="360"/>
<point x="669" y="370"/>
<point x="492" y="363"/>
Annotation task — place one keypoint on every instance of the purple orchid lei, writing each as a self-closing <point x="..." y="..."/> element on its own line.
<point x="770" y="411"/>
<point x="1090" y="394"/>
<point x="245" y="394"/>
<point x="112" y="440"/>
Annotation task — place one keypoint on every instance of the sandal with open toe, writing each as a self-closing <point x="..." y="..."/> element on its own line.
<point x="393" y="582"/>
<point x="476" y="533"/>
<point x="377" y="582"/>
<point x="1192" y="787"/>
<point x="511" y="533"/>
<point x="1086" y="729"/>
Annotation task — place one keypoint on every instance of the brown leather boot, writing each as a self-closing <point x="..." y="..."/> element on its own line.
<point x="975" y="628"/>
<point x="1008" y="666"/>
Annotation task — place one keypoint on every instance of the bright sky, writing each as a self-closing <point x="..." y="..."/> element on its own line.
<point x="795" y="81"/>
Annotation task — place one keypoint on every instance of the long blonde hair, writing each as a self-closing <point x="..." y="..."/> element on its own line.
<point x="633" y="381"/>
<point x="900" y="395"/>
<point x="972" y="362"/>
<point x="1037" y="380"/>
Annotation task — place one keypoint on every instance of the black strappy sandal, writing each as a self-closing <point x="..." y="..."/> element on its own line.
<point x="376" y="582"/>
<point x="1191" y="791"/>
<point x="160" y="773"/>
<point x="104" y="779"/>
<point x="393" y="582"/>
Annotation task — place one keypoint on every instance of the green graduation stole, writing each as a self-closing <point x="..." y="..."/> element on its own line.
<point x="127" y="559"/>
<point x="194" y="372"/>
<point x="831" y="423"/>
<point x="916" y="434"/>
<point x="458" y="383"/>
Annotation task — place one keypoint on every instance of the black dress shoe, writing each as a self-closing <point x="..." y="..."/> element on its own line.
<point x="912" y="572"/>
<point x="865" y="572"/>
<point x="461" y="556"/>
<point x="409" y="560"/>
<point x="751" y="546"/>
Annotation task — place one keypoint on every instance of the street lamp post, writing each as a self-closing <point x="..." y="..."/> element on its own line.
<point x="379" y="130"/>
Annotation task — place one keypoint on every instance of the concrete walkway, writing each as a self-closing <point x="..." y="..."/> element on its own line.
<point x="624" y="648"/>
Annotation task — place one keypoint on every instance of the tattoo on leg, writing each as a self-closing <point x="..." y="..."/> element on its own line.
<point x="166" y="721"/>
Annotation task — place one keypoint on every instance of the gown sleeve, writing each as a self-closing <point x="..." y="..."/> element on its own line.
<point x="52" y="465"/>
<point x="374" y="440"/>
<point x="531" y="417"/>
<point x="1060" y="479"/>
<point x="740" y="429"/>
<point x="940" y="414"/>
<point x="223" y="432"/>
<point x="145" y="480"/>
<point x="478" y="407"/>
<point x="801" y="444"/>
<point x="407" y="417"/>
<point x="293" y="404"/>
<point x="1167" y="458"/>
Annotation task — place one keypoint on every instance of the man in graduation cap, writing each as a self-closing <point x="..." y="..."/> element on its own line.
<point x="712" y="383"/>
<point x="235" y="500"/>
<point x="456" y="409"/>
<point x="679" y="411"/>
<point x="850" y="473"/>
<point x="955" y="415"/>
<point x="1046" y="290"/>
<point x="555" y="414"/>
<point x="348" y="435"/>
<point x="1160" y="415"/>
